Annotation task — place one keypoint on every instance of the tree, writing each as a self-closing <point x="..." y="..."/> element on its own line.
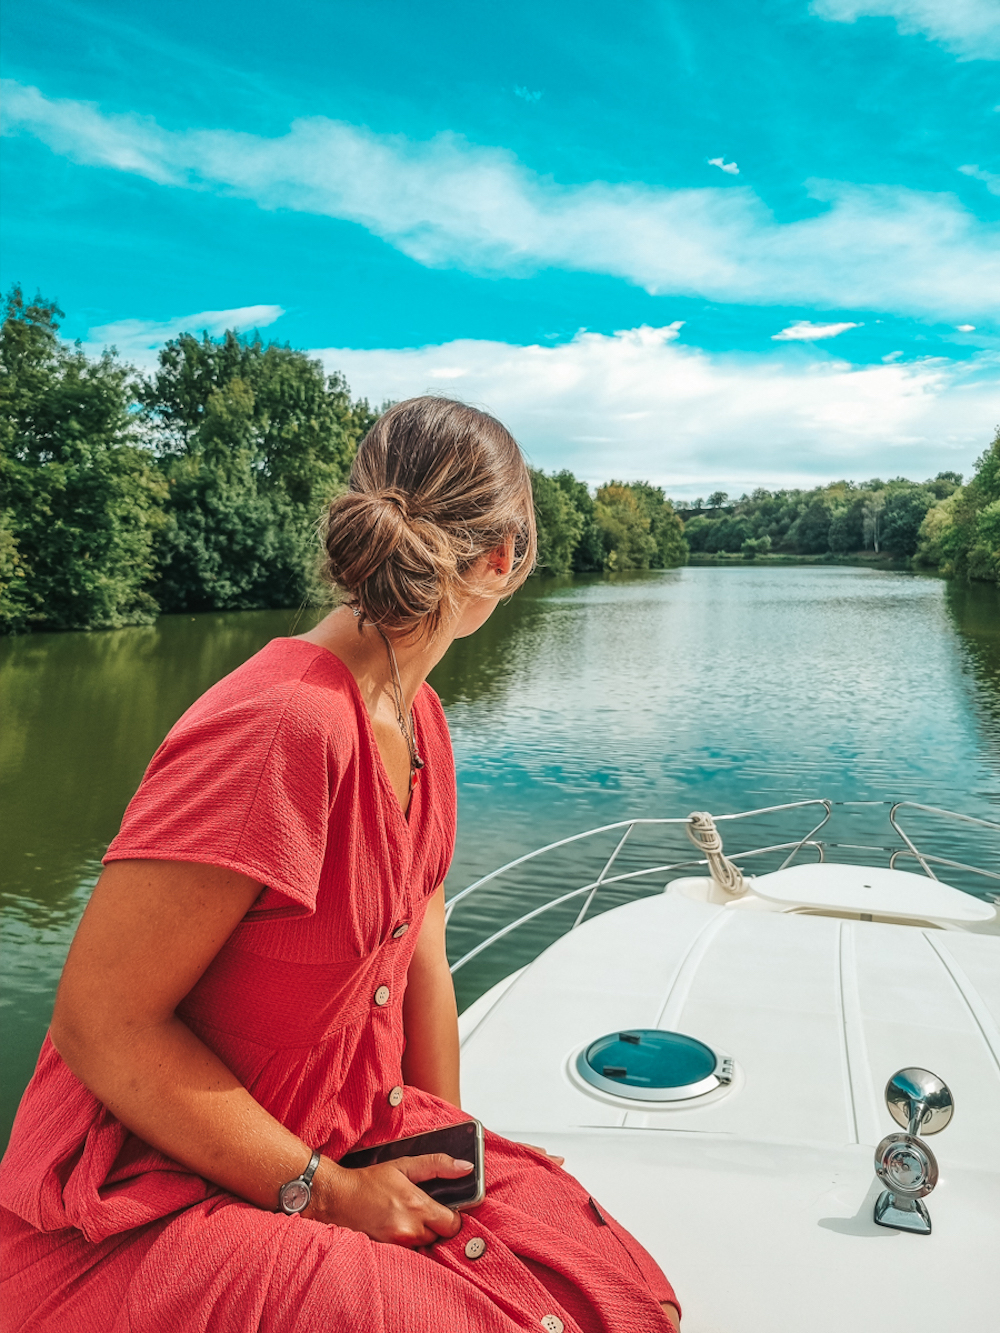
<point x="905" y="508"/>
<point x="847" y="532"/>
<point x="254" y="441"/>
<point x="717" y="499"/>
<point x="589" y="554"/>
<point x="665" y="528"/>
<point x="559" y="523"/>
<point x="810" y="532"/>
<point x="755" y="546"/>
<point x="81" y="501"/>
<point x="625" y="524"/>
<point x="872" y="518"/>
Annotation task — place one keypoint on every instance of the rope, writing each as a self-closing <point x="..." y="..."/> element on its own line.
<point x="703" y="833"/>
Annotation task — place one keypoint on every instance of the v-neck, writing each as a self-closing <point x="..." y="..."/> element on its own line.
<point x="405" y="816"/>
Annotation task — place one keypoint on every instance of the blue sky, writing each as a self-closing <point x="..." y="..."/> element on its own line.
<point x="728" y="245"/>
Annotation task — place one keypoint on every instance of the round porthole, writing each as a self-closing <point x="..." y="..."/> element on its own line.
<point x="647" y="1065"/>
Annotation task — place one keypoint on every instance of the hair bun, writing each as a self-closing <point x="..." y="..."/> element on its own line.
<point x="435" y="485"/>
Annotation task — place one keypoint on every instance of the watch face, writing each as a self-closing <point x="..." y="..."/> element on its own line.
<point x="295" y="1196"/>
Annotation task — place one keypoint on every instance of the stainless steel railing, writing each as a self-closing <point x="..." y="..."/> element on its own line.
<point x="605" y="879"/>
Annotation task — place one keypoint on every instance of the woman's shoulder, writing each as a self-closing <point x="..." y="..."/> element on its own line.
<point x="290" y="684"/>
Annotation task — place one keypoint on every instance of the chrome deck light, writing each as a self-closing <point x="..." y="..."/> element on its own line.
<point x="905" y="1164"/>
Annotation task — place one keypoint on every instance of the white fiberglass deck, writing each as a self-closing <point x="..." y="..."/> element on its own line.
<point x="757" y="1200"/>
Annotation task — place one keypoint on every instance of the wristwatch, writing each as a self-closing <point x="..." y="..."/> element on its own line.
<point x="295" y="1196"/>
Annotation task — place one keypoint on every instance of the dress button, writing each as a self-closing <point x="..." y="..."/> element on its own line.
<point x="400" y="931"/>
<point x="475" y="1248"/>
<point x="552" y="1323"/>
<point x="382" y="995"/>
<point x="395" y="1096"/>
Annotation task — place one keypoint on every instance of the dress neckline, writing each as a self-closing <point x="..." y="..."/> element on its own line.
<point x="362" y="707"/>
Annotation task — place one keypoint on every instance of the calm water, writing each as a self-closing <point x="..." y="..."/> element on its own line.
<point x="581" y="702"/>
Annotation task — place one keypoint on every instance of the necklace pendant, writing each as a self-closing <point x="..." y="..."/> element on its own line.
<point x="413" y="779"/>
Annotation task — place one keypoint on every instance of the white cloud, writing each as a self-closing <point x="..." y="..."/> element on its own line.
<point x="990" y="179"/>
<point x="526" y="95"/>
<point x="730" y="168"/>
<point x="966" y="328"/>
<point x="137" y="340"/>
<point x="803" y="330"/>
<point x="970" y="28"/>
<point x="641" y="405"/>
<point x="447" y="203"/>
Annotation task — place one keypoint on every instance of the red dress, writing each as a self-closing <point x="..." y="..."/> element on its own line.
<point x="275" y="774"/>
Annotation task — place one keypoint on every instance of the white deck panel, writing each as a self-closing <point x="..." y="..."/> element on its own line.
<point x="898" y="893"/>
<point x="774" y="1238"/>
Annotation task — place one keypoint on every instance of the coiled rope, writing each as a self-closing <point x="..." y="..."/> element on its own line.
<point x="703" y="833"/>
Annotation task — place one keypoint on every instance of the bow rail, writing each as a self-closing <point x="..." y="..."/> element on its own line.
<point x="605" y="879"/>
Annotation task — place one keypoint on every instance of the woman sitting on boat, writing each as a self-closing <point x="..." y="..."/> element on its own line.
<point x="259" y="983"/>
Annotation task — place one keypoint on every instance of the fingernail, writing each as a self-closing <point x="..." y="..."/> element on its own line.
<point x="461" y="1165"/>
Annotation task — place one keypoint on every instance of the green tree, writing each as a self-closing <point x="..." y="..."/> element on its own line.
<point x="961" y="533"/>
<point x="755" y="546"/>
<point x="560" y="524"/>
<point x="254" y="441"/>
<point x="905" y="508"/>
<point x="665" y="528"/>
<point x="621" y="515"/>
<point x="80" y="499"/>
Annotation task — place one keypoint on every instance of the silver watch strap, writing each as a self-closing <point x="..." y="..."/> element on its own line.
<point x="314" y="1161"/>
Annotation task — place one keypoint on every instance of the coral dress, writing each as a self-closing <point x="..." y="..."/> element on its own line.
<point x="275" y="774"/>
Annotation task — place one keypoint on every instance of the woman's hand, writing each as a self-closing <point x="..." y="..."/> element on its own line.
<point x="386" y="1202"/>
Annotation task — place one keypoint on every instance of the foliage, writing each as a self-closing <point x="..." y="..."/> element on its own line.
<point x="627" y="525"/>
<point x="560" y="524"/>
<point x="80" y="500"/>
<point x="838" y="519"/>
<point x="253" y="440"/>
<point x="755" y="546"/>
<point x="960" y="534"/>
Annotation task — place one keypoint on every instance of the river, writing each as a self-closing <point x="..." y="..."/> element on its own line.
<point x="582" y="701"/>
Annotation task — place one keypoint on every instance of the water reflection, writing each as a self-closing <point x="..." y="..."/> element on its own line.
<point x="975" y="613"/>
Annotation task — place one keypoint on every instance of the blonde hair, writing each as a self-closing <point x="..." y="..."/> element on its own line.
<point x="435" y="485"/>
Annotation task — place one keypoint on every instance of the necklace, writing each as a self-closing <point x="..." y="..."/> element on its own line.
<point x="405" y="722"/>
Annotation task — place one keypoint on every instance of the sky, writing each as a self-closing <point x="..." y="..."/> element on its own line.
<point x="714" y="246"/>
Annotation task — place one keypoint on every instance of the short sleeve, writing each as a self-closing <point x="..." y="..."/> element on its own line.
<point x="248" y="788"/>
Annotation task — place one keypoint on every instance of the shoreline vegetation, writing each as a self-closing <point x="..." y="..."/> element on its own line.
<point x="198" y="486"/>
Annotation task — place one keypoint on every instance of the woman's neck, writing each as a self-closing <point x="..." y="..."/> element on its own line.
<point x="363" y="650"/>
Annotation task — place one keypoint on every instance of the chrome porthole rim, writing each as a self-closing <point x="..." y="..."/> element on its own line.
<point x="721" y="1077"/>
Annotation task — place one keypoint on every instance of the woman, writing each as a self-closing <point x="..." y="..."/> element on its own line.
<point x="259" y="983"/>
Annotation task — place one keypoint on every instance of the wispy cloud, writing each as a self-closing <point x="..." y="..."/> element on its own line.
<point x="970" y="28"/>
<point x="525" y="94"/>
<point x="137" y="340"/>
<point x="639" y="402"/>
<point x="447" y="203"/>
<point x="730" y="168"/>
<point x="803" y="330"/>
<point x="966" y="328"/>
<point x="990" y="179"/>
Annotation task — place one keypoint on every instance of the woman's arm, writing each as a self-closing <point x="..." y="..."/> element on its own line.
<point x="430" y="1016"/>
<point x="149" y="932"/>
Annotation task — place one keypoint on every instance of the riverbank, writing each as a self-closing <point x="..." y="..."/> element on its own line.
<point x="866" y="559"/>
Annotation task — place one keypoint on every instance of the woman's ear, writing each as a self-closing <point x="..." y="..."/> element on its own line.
<point x="501" y="560"/>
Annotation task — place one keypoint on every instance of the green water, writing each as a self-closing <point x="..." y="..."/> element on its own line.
<point x="581" y="702"/>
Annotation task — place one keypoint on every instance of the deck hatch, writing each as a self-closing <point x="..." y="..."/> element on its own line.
<point x="647" y="1064"/>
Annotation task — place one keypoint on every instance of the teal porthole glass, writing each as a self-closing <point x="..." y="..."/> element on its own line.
<point x="646" y="1064"/>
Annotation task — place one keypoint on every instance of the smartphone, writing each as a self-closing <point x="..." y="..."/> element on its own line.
<point x="464" y="1141"/>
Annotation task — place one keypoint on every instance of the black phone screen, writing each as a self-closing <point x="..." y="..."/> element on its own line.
<point x="464" y="1140"/>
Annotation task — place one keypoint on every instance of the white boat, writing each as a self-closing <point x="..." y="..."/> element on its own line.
<point x="827" y="1019"/>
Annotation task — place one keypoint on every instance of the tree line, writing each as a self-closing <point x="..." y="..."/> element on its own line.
<point x="199" y="486"/>
<point x="937" y="523"/>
